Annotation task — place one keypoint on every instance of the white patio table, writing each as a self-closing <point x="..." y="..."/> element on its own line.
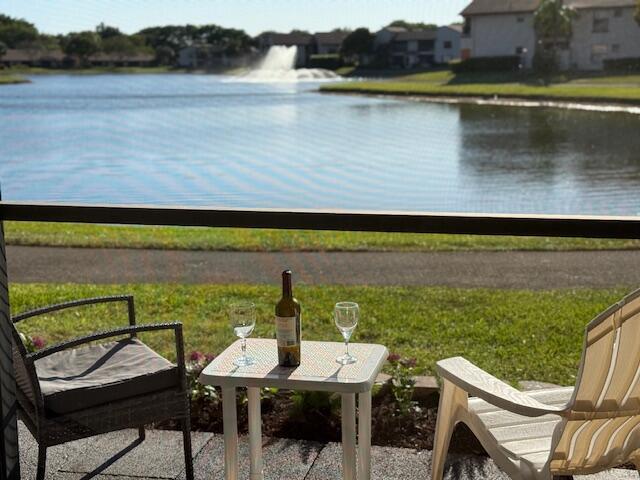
<point x="318" y="371"/>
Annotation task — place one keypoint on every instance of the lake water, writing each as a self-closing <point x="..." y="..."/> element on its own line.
<point x="206" y="140"/>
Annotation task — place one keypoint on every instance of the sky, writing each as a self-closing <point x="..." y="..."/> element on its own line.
<point x="254" y="16"/>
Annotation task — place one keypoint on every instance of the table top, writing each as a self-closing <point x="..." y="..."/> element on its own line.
<point x="318" y="369"/>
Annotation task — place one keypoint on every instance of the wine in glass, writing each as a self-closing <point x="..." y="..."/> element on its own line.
<point x="346" y="316"/>
<point x="243" y="320"/>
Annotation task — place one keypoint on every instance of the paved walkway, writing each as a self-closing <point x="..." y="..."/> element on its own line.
<point x="117" y="456"/>
<point x="533" y="270"/>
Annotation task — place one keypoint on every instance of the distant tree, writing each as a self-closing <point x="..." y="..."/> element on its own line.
<point x="173" y="38"/>
<point x="303" y="32"/>
<point x="412" y="26"/>
<point x="165" y="55"/>
<point x="357" y="43"/>
<point x="3" y="49"/>
<point x="553" y="27"/>
<point x="82" y="45"/>
<point x="15" y="33"/>
<point x="120" y="45"/>
<point x="105" y="31"/>
<point x="233" y="41"/>
<point x="638" y="11"/>
<point x="48" y="42"/>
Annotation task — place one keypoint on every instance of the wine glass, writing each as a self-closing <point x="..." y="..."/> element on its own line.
<point x="243" y="320"/>
<point x="346" y="316"/>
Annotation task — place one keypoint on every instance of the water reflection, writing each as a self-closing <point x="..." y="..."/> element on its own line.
<point x="573" y="156"/>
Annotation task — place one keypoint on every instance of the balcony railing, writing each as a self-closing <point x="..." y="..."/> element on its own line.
<point x="373" y="221"/>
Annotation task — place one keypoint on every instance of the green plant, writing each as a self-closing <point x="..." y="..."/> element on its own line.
<point x="403" y="383"/>
<point x="622" y="65"/>
<point x="321" y="403"/>
<point x="199" y="392"/>
<point x="506" y="63"/>
<point x="32" y="343"/>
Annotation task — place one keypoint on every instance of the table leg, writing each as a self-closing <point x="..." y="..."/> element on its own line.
<point x="255" y="434"/>
<point x="230" y="425"/>
<point x="364" y="435"/>
<point x="349" y="436"/>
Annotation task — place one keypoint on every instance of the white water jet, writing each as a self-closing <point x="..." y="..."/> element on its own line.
<point x="280" y="66"/>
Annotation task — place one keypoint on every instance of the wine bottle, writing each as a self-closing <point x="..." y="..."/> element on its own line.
<point x="288" y="325"/>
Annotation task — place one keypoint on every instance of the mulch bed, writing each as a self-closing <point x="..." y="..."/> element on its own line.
<point x="319" y="420"/>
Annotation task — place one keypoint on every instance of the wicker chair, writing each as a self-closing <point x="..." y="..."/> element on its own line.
<point x="63" y="396"/>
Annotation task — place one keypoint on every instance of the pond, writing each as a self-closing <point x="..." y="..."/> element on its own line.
<point x="207" y="140"/>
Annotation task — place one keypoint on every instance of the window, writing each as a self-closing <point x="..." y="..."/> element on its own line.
<point x="615" y="48"/>
<point x="617" y="13"/>
<point x="400" y="46"/>
<point x="426" y="45"/>
<point x="448" y="45"/>
<point x="520" y="19"/>
<point x="519" y="50"/>
<point x="597" y="52"/>
<point x="600" y="25"/>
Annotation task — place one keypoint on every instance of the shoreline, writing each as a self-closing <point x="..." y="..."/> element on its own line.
<point x="13" y="80"/>
<point x="592" y="104"/>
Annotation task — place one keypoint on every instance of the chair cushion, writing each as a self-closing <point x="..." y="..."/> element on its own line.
<point x="85" y="377"/>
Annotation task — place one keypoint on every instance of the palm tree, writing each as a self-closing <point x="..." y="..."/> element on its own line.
<point x="553" y="26"/>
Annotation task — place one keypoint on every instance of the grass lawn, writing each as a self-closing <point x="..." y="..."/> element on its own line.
<point x="613" y="88"/>
<point x="22" y="70"/>
<point x="515" y="335"/>
<point x="237" y="239"/>
<point x="11" y="79"/>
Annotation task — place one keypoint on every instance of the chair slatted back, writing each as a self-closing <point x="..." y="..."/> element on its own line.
<point x="602" y="429"/>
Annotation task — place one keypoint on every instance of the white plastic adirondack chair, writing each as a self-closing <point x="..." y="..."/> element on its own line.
<point x="554" y="432"/>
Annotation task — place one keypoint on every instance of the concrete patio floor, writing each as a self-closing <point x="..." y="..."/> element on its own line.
<point x="119" y="456"/>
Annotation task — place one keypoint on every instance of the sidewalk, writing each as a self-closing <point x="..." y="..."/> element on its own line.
<point x="522" y="270"/>
<point x="118" y="456"/>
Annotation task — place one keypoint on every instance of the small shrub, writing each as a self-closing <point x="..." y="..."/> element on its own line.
<point x="402" y="383"/>
<point x="326" y="61"/>
<point x="205" y="399"/>
<point x="624" y="65"/>
<point x="312" y="402"/>
<point x="487" y="64"/>
<point x="32" y="344"/>
<point x="545" y="62"/>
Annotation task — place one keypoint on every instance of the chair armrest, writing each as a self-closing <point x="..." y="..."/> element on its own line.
<point x="478" y="383"/>
<point x="176" y="327"/>
<point x="79" y="303"/>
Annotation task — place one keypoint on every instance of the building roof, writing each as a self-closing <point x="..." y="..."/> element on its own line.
<point x="31" y="55"/>
<point x="583" y="4"/>
<point x="394" y="29"/>
<point x="416" y="35"/>
<point x="488" y="7"/>
<point x="289" y="39"/>
<point x="458" y="27"/>
<point x="331" y="38"/>
<point x="116" y="57"/>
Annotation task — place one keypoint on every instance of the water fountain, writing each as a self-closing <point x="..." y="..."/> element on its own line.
<point x="279" y="66"/>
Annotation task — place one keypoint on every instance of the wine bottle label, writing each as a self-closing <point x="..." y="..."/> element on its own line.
<point x="286" y="331"/>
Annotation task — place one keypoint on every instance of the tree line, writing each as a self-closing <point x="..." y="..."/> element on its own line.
<point x="163" y="43"/>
